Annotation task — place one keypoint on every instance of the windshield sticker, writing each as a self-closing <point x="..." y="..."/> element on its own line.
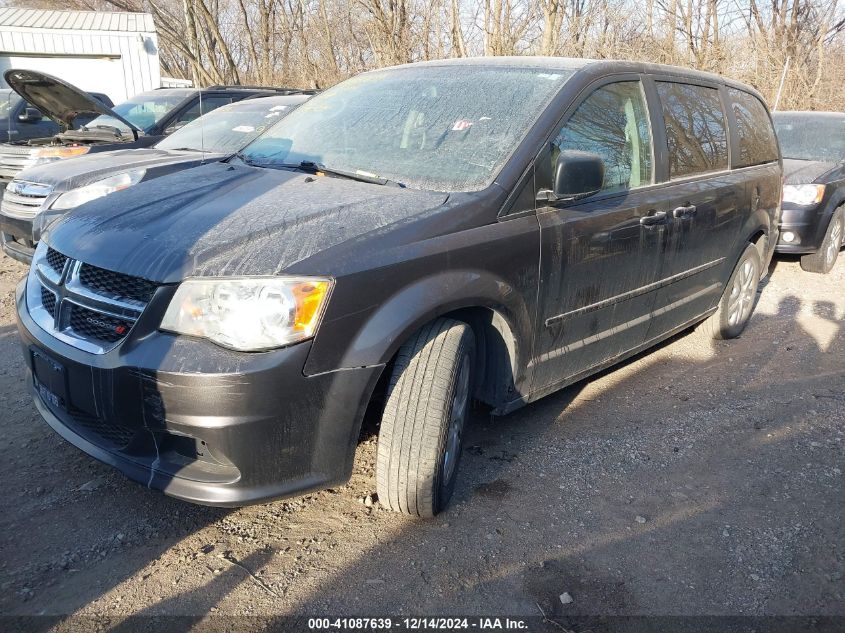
<point x="549" y="76"/>
<point x="244" y="128"/>
<point x="278" y="107"/>
<point x="272" y="115"/>
<point x="461" y="125"/>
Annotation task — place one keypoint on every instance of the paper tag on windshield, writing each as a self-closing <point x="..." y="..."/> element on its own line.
<point x="243" y="128"/>
<point x="461" y="125"/>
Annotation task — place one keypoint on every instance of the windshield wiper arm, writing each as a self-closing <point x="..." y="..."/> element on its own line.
<point x="245" y="159"/>
<point x="352" y="175"/>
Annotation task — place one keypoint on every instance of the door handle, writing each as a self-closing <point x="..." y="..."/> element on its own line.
<point x="658" y="217"/>
<point x="684" y="212"/>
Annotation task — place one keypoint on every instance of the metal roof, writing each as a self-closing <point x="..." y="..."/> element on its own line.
<point x="77" y="20"/>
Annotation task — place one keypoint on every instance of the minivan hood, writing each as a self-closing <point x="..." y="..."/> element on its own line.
<point x="65" y="175"/>
<point x="228" y="219"/>
<point x="803" y="172"/>
<point x="59" y="100"/>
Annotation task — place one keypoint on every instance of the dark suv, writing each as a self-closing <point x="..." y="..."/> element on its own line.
<point x="410" y="240"/>
<point x="88" y="125"/>
<point x="813" y="223"/>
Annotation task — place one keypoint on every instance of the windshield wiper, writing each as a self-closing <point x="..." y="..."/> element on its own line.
<point x="246" y="159"/>
<point x="311" y="166"/>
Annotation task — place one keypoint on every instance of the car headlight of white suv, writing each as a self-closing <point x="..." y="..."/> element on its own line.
<point x="75" y="197"/>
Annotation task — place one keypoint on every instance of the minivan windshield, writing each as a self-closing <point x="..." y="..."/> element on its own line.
<point x="442" y="128"/>
<point x="811" y="137"/>
<point x="228" y="128"/>
<point x="143" y="110"/>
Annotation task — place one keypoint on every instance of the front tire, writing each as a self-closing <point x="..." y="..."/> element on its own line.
<point x="737" y="303"/>
<point x="420" y="439"/>
<point x="823" y="260"/>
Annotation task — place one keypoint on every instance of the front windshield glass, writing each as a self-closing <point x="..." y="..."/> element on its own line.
<point x="143" y="110"/>
<point x="808" y="137"/>
<point x="445" y="128"/>
<point x="228" y="128"/>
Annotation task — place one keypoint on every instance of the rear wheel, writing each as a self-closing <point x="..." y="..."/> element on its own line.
<point x="737" y="302"/>
<point x="421" y="435"/>
<point x="823" y="260"/>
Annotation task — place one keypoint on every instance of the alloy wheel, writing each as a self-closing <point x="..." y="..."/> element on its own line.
<point x="742" y="294"/>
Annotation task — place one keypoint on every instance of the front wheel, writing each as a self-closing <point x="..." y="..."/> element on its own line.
<point x="738" y="300"/>
<point x="420" y="439"/>
<point x="823" y="260"/>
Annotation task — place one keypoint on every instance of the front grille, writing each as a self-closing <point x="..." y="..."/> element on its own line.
<point x="56" y="260"/>
<point x="96" y="325"/>
<point x="117" y="284"/>
<point x="23" y="200"/>
<point x="14" y="159"/>
<point x="104" y="433"/>
<point x="48" y="300"/>
<point x="88" y="307"/>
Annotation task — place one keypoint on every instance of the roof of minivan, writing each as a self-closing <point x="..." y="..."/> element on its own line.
<point x="576" y="63"/>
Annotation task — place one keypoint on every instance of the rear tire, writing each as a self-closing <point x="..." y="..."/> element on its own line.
<point x="823" y="260"/>
<point x="738" y="300"/>
<point x="419" y="443"/>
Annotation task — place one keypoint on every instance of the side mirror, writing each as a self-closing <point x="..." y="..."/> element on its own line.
<point x="577" y="175"/>
<point x="30" y="115"/>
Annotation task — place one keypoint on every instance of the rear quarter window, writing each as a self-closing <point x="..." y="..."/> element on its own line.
<point x="696" y="130"/>
<point x="757" y="140"/>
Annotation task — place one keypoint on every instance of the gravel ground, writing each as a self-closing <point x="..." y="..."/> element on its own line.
<point x="695" y="479"/>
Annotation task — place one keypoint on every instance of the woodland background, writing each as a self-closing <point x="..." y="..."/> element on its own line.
<point x="316" y="43"/>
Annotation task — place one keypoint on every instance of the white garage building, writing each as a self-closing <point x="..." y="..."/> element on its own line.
<point x="99" y="51"/>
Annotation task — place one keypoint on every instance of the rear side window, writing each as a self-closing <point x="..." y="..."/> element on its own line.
<point x="208" y="104"/>
<point x="757" y="141"/>
<point x="613" y="123"/>
<point x="695" y="129"/>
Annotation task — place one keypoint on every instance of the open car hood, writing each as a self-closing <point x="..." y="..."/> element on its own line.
<point x="58" y="99"/>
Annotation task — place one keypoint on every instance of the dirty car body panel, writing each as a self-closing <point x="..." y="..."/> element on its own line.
<point x="554" y="289"/>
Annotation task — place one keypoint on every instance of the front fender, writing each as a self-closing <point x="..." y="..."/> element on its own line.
<point x="353" y="341"/>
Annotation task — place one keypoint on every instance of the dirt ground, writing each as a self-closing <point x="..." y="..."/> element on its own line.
<point x="695" y="479"/>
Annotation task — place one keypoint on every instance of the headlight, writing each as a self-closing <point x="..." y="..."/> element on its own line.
<point x="49" y="154"/>
<point x="75" y="197"/>
<point x="803" y="194"/>
<point x="248" y="314"/>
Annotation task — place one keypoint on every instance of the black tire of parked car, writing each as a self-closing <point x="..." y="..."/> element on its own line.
<point x="823" y="260"/>
<point x="738" y="299"/>
<point x="419" y="443"/>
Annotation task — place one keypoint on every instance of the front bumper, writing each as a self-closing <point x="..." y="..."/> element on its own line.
<point x="16" y="238"/>
<point x="201" y="423"/>
<point x="807" y="225"/>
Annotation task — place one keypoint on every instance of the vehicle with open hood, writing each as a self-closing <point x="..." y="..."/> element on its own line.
<point x="406" y="242"/>
<point x="88" y="125"/>
<point x="813" y="222"/>
<point x="20" y="120"/>
<point x="41" y="194"/>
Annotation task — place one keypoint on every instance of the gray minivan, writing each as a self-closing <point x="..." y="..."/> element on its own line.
<point x="408" y="241"/>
